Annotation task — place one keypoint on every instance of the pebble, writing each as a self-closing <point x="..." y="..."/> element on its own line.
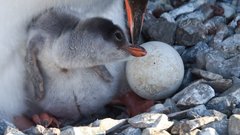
<point x="108" y="124"/>
<point x="208" y="131"/>
<point x="190" y="32"/>
<point x="131" y="131"/>
<point x="151" y="131"/>
<point x="153" y="30"/>
<point x="147" y="120"/>
<point x="194" y="95"/>
<point x="4" y="125"/>
<point x="185" y="126"/>
<point x="40" y="130"/>
<point x="206" y="74"/>
<point x="190" y="54"/>
<point x="159" y="108"/>
<point x="221" y="126"/>
<point x="14" y="131"/>
<point x="83" y="130"/>
<point x="234" y="125"/>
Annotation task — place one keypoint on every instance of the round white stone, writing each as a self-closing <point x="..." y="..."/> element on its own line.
<point x="158" y="74"/>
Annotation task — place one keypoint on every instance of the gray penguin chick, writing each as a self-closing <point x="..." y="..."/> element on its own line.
<point x="75" y="65"/>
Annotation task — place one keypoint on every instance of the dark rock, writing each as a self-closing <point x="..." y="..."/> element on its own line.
<point x="195" y="112"/>
<point x="153" y="30"/>
<point x="214" y="23"/>
<point x="179" y="49"/>
<point x="159" y="108"/>
<point x="190" y="32"/>
<point x="189" y="55"/>
<point x="220" y="85"/>
<point x="206" y="74"/>
<point x="204" y="12"/>
<point x="187" y="8"/>
<point x="170" y="104"/>
<point x="187" y="79"/>
<point x="229" y="10"/>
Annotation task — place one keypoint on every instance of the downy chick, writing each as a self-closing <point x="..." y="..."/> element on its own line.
<point x="77" y="62"/>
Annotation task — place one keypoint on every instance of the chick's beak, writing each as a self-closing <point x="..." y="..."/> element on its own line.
<point x="135" y="10"/>
<point x="135" y="50"/>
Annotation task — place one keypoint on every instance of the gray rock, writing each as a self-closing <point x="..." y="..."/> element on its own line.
<point x="196" y="95"/>
<point x="225" y="67"/>
<point x="234" y="88"/>
<point x="153" y="131"/>
<point x="236" y="111"/>
<point x="222" y="31"/>
<point x="212" y="24"/>
<point x="223" y="104"/>
<point x="83" y="130"/>
<point x="216" y="113"/>
<point x="195" y="112"/>
<point x="187" y="79"/>
<point x="220" y="85"/>
<point x="153" y="30"/>
<point x="206" y="74"/>
<point x="187" y="126"/>
<point x="190" y="32"/>
<point x="13" y="131"/>
<point x="171" y="105"/>
<point x="180" y="49"/>
<point x="221" y="126"/>
<point x="4" y="125"/>
<point x="40" y="130"/>
<point x="227" y="101"/>
<point x="108" y="124"/>
<point x="229" y="10"/>
<point x="181" y="93"/>
<point x="233" y="127"/>
<point x="147" y="120"/>
<point x="202" y="13"/>
<point x="201" y="58"/>
<point x="231" y="45"/>
<point x="189" y="55"/>
<point x="159" y="108"/>
<point x="131" y="131"/>
<point x="187" y="8"/>
<point x="208" y="131"/>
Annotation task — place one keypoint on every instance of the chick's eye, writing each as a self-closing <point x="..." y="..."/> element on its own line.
<point x="118" y="36"/>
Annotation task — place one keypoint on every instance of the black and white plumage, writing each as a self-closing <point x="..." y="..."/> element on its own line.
<point x="69" y="51"/>
<point x="15" y="16"/>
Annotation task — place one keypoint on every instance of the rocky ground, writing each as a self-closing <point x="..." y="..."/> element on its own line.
<point x="206" y="33"/>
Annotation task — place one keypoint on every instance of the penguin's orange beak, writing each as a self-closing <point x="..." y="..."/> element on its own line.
<point x="135" y="10"/>
<point x="136" y="51"/>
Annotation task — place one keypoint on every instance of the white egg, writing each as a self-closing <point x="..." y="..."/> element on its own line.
<point x="158" y="74"/>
